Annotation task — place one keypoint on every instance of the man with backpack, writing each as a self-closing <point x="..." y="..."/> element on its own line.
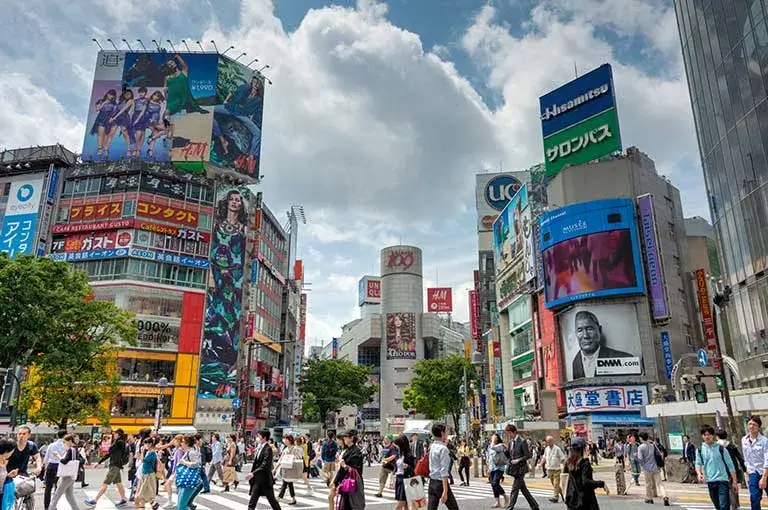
<point x="328" y="452"/>
<point x="715" y="466"/>
<point x="651" y="461"/>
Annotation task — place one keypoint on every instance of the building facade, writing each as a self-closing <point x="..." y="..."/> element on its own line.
<point x="725" y="64"/>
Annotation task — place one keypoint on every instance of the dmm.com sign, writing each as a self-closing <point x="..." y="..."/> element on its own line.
<point x="588" y="140"/>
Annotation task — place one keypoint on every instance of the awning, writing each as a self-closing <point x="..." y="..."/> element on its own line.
<point x="621" y="419"/>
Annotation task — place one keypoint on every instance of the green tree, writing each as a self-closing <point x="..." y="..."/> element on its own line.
<point x="329" y="384"/>
<point x="66" y="341"/>
<point x="436" y="387"/>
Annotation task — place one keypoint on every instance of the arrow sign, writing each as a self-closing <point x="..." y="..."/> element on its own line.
<point x="701" y="355"/>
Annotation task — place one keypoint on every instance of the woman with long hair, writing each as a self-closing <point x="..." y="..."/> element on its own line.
<point x="404" y="468"/>
<point x="580" y="494"/>
<point x="496" y="467"/>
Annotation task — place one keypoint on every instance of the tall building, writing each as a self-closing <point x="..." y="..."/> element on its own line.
<point x="160" y="215"/>
<point x="724" y="49"/>
<point x="29" y="182"/>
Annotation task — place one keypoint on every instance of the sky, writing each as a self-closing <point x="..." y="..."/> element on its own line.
<point x="380" y="113"/>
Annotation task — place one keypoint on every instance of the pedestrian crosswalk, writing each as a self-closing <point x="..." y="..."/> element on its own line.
<point x="476" y="496"/>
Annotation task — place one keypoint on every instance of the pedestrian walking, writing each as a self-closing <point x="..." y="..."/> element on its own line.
<point x="580" y="493"/>
<point x="519" y="454"/>
<point x="755" y="448"/>
<point x="67" y="465"/>
<point x="715" y="467"/>
<point x="553" y="461"/>
<point x="260" y="478"/>
<point x="118" y="457"/>
<point x="651" y="460"/>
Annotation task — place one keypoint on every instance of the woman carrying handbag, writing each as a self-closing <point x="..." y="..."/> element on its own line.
<point x="69" y="465"/>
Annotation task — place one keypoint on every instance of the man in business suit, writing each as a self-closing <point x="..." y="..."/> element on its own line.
<point x="589" y="334"/>
<point x="519" y="455"/>
<point x="261" y="479"/>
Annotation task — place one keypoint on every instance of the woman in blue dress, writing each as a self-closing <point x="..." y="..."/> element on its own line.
<point x="122" y="119"/>
<point x="101" y="127"/>
<point x="139" y="121"/>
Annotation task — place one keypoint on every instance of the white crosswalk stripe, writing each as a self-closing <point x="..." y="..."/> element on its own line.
<point x="318" y="499"/>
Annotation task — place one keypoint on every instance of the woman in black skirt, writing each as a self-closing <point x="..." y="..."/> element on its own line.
<point x="405" y="464"/>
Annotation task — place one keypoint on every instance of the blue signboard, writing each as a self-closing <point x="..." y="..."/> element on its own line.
<point x="254" y="271"/>
<point x="577" y="100"/>
<point x="589" y="250"/>
<point x="666" y="349"/>
<point x="701" y="356"/>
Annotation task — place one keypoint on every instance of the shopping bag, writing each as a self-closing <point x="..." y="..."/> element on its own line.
<point x="414" y="492"/>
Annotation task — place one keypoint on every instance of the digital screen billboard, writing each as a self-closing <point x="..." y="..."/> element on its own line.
<point x="590" y="250"/>
<point x="601" y="340"/>
<point x="184" y="108"/>
<point x="579" y="122"/>
<point x="401" y="335"/>
<point x="224" y="301"/>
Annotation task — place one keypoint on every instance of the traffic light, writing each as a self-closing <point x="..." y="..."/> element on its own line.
<point x="719" y="381"/>
<point x="700" y="390"/>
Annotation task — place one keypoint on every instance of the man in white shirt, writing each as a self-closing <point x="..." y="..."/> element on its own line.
<point x="553" y="461"/>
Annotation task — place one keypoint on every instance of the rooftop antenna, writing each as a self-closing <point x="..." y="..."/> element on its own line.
<point x="97" y="44"/>
<point x="201" y="46"/>
<point x="126" y="43"/>
<point x="214" y="45"/>
<point x="251" y="62"/>
<point x="142" y="44"/>
<point x="157" y="45"/>
<point x="110" y="41"/>
<point x="225" y="51"/>
<point x="171" y="45"/>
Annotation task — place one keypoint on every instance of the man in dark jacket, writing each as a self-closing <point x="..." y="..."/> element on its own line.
<point x="519" y="454"/>
<point x="260" y="477"/>
<point x="118" y="456"/>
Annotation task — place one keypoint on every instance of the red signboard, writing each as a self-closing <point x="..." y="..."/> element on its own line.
<point x="166" y="213"/>
<point x="188" y="234"/>
<point x="373" y="288"/>
<point x="95" y="211"/>
<point x="707" y="322"/>
<point x="474" y="318"/>
<point x="440" y="299"/>
<point x="303" y="317"/>
<point x="105" y="240"/>
<point x="69" y="228"/>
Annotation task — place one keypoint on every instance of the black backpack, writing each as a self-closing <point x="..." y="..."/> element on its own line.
<point x="206" y="453"/>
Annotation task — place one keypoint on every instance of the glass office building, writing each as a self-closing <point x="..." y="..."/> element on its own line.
<point x="725" y="48"/>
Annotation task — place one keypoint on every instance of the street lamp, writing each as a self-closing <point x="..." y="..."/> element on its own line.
<point x="162" y="384"/>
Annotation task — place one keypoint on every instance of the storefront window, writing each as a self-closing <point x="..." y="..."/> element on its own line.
<point x="145" y="370"/>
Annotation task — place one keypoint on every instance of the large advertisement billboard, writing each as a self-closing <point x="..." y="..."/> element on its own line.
<point x="579" y="122"/>
<point x="657" y="288"/>
<point x="401" y="336"/>
<point x="224" y="300"/>
<point x="186" y="108"/>
<point x="492" y="194"/>
<point x="513" y="239"/>
<point x="19" y="230"/>
<point x="590" y="250"/>
<point x="601" y="340"/>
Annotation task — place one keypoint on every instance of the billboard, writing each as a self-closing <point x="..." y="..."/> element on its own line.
<point x="180" y="107"/>
<point x="606" y="399"/>
<point x="653" y="265"/>
<point x="513" y="239"/>
<point x="19" y="230"/>
<point x="440" y="299"/>
<point x="401" y="336"/>
<point x="92" y="241"/>
<point x="492" y="194"/>
<point x="369" y="290"/>
<point x="601" y="340"/>
<point x="590" y="250"/>
<point x="579" y="122"/>
<point x="224" y="298"/>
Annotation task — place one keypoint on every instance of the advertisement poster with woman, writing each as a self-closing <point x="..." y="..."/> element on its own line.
<point x="401" y="336"/>
<point x="154" y="106"/>
<point x="224" y="303"/>
<point x="236" y="130"/>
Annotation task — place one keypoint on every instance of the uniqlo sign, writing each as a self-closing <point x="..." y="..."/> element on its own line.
<point x="439" y="299"/>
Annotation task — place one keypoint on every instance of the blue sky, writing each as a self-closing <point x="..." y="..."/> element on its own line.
<point x="381" y="112"/>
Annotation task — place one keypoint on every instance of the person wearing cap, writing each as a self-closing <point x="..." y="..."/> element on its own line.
<point x="580" y="493"/>
<point x="519" y="454"/>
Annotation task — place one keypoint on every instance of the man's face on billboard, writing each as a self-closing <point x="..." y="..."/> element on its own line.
<point x="588" y="334"/>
